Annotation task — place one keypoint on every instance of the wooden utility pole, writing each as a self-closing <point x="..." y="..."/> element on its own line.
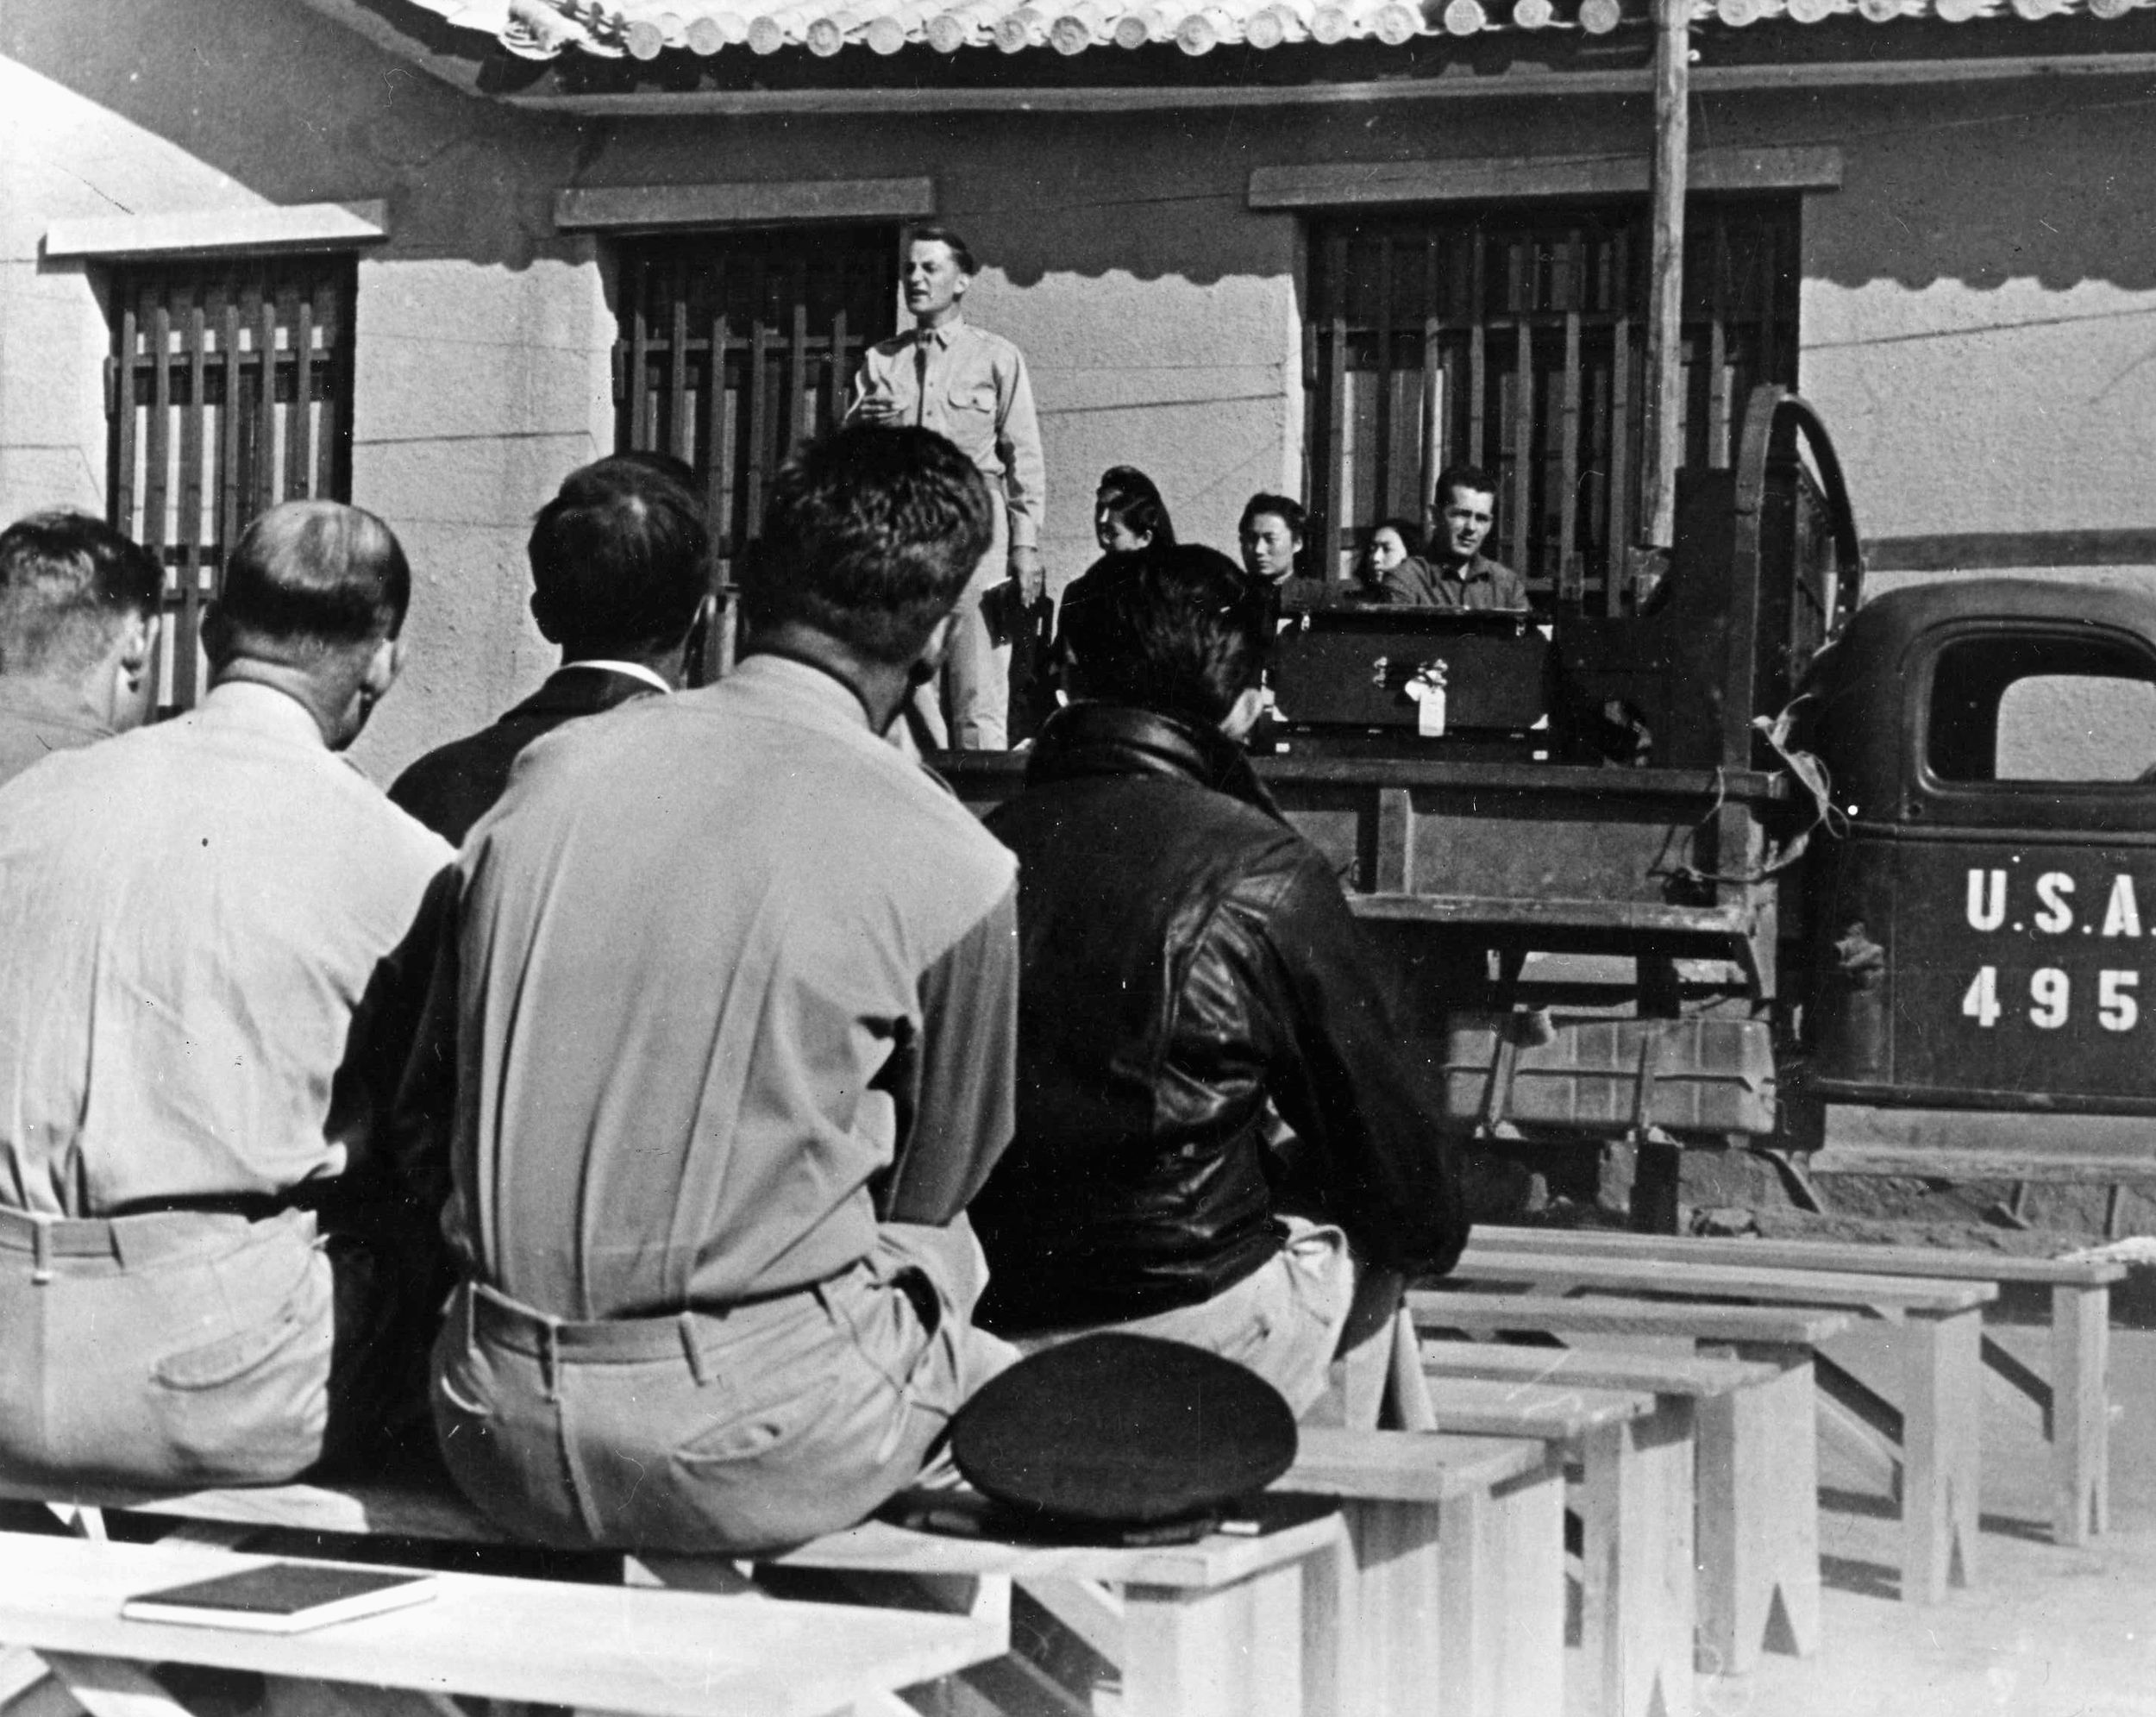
<point x="1661" y="452"/>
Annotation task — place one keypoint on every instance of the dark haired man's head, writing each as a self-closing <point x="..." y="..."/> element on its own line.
<point x="78" y="608"/>
<point x="1175" y="630"/>
<point x="937" y="269"/>
<point x="1271" y="534"/>
<point x="620" y="561"/>
<point x="650" y="458"/>
<point x="870" y="538"/>
<point x="312" y="605"/>
<point x="1466" y="502"/>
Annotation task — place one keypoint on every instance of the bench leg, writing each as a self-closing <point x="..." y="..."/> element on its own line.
<point x="1396" y="1623"/>
<point x="2081" y="1413"/>
<point x="1235" y="1652"/>
<point x="1636" y="1605"/>
<point x="1501" y="1599"/>
<point x="1758" y="1521"/>
<point x="1941" y="1454"/>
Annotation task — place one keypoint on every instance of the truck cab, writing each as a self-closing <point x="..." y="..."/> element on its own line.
<point x="1975" y="913"/>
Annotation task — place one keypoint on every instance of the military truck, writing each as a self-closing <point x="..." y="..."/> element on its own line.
<point x="1746" y="865"/>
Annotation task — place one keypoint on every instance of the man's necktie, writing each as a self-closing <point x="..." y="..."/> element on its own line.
<point x="920" y="381"/>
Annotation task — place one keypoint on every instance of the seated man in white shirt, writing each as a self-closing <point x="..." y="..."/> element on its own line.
<point x="213" y="939"/>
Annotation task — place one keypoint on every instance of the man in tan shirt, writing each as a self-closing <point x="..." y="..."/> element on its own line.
<point x="735" y="999"/>
<point x="971" y="387"/>
<point x="213" y="946"/>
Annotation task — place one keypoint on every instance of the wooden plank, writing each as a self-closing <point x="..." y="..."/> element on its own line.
<point x="1624" y="433"/>
<point x="1513" y="180"/>
<point x="269" y="488"/>
<point x="299" y="460"/>
<point x="1406" y="1466"/>
<point x="758" y="379"/>
<point x="639" y="291"/>
<point x="1790" y="1326"/>
<point x="1795" y="1254"/>
<point x="1523" y="448"/>
<point x="1687" y="1374"/>
<point x="1558" y="1412"/>
<point x="679" y="439"/>
<point x="1718" y="447"/>
<point x="796" y="364"/>
<point x="1477" y="342"/>
<point x="1434" y="380"/>
<point x="127" y="490"/>
<point x="1333" y="479"/>
<point x="230" y="475"/>
<point x="1942" y="1420"/>
<point x="1643" y="918"/>
<point x="1382" y="469"/>
<point x="191" y="429"/>
<point x="250" y="231"/>
<point x="1888" y="1296"/>
<point x="1568" y="421"/>
<point x="662" y="1653"/>
<point x="1757" y="1521"/>
<point x="1638" y="1586"/>
<point x="2081" y="1415"/>
<point x="1234" y="1652"/>
<point x="629" y="208"/>
<point x="1660" y="451"/>
<point x="158" y="442"/>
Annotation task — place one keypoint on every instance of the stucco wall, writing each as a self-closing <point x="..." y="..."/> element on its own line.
<point x="481" y="334"/>
<point x="1978" y="313"/>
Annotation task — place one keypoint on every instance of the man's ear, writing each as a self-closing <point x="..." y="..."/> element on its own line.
<point x="130" y="672"/>
<point x="930" y="657"/>
<point x="383" y="665"/>
<point x="1243" y="714"/>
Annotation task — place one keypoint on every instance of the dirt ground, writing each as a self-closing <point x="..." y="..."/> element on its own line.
<point x="2043" y="1633"/>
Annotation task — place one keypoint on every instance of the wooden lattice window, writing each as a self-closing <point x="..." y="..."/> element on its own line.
<point x="1515" y="341"/>
<point x="779" y="316"/>
<point x="230" y="389"/>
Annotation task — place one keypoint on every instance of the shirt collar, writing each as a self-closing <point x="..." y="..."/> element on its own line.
<point x="939" y="337"/>
<point x="812" y="691"/>
<point x="254" y="708"/>
<point x="634" y="670"/>
<point x="51" y="706"/>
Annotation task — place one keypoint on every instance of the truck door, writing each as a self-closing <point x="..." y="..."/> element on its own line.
<point x="1987" y="938"/>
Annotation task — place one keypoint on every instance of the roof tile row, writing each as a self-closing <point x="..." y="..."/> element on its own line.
<point x="644" y="29"/>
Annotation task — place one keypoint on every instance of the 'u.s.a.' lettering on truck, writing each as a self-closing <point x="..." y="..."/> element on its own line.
<point x="2051" y="989"/>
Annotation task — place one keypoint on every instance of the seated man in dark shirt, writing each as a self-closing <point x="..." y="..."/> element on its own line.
<point x="620" y="568"/>
<point x="1188" y="969"/>
<point x="1456" y="574"/>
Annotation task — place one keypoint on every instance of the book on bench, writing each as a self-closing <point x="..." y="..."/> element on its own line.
<point x="281" y="1597"/>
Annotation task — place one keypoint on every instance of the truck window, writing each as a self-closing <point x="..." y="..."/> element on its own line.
<point x="2042" y="709"/>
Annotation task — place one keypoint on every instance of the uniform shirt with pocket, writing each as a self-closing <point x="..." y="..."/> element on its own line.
<point x="970" y="386"/>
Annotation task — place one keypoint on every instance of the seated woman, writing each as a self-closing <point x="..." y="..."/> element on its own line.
<point x="1128" y="515"/>
<point x="1393" y="541"/>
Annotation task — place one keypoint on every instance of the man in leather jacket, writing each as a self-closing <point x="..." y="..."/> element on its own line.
<point x="1189" y="977"/>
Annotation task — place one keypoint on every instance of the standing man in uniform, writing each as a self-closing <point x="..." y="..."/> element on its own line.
<point x="971" y="386"/>
<point x="78" y="614"/>
<point x="1456" y="573"/>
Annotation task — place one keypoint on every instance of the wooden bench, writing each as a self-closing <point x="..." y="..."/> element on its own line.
<point x="656" y="1653"/>
<point x="2074" y="1401"/>
<point x="1635" y="1456"/>
<point x="1927" y="1450"/>
<point x="1439" y="1550"/>
<point x="1939" y="1426"/>
<point x="1756" y="1521"/>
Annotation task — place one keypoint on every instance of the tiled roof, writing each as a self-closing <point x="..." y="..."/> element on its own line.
<point x="540" y="29"/>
